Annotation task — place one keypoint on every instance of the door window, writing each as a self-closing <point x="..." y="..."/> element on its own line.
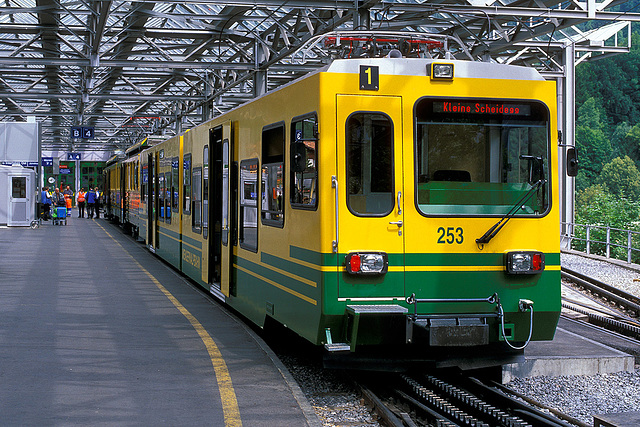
<point x="369" y="164"/>
<point x="19" y="187"/>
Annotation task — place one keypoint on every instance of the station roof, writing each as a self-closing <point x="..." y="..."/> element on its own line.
<point x="130" y="69"/>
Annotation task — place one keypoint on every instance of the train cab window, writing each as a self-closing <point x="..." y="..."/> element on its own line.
<point x="304" y="162"/>
<point x="186" y="185"/>
<point x="481" y="157"/>
<point x="272" y="178"/>
<point x="369" y="140"/>
<point x="249" y="204"/>
<point x="196" y="200"/>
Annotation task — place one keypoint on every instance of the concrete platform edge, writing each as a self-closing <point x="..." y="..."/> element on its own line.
<point x="569" y="365"/>
<point x="305" y="406"/>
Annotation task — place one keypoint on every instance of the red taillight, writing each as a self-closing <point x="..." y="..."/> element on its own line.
<point x="536" y="262"/>
<point x="354" y="263"/>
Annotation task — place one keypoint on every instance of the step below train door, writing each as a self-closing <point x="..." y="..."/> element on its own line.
<point x="371" y="203"/>
<point x="222" y="202"/>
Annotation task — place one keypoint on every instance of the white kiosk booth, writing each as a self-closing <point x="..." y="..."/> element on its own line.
<point x="17" y="195"/>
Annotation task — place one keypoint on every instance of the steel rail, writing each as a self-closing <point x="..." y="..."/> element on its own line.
<point x="624" y="299"/>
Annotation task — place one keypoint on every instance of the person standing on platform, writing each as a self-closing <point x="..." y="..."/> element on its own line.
<point x="58" y="198"/>
<point x="90" y="198"/>
<point x="98" y="201"/>
<point x="68" y="197"/>
<point x="80" y="199"/>
<point x="45" y="199"/>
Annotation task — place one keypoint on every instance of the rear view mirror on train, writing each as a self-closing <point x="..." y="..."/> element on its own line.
<point x="572" y="161"/>
<point x="298" y="157"/>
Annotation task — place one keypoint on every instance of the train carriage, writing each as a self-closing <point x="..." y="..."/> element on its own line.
<point x="384" y="204"/>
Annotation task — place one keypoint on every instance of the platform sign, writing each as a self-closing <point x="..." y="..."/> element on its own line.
<point x="76" y="132"/>
<point x="88" y="132"/>
<point x="84" y="132"/>
<point x="74" y="156"/>
<point x="47" y="161"/>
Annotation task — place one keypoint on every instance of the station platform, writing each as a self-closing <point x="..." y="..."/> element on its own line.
<point x="95" y="330"/>
<point x="571" y="352"/>
<point x="568" y="353"/>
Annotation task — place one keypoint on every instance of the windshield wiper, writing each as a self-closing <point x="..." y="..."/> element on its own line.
<point x="486" y="237"/>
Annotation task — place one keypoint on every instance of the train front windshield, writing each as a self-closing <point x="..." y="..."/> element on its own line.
<point x="480" y="157"/>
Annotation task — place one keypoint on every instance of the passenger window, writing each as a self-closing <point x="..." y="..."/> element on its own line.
<point x="186" y="185"/>
<point x="161" y="196"/>
<point x="369" y="164"/>
<point x="249" y="204"/>
<point x="145" y="182"/>
<point x="304" y="168"/>
<point x="175" y="184"/>
<point x="196" y="200"/>
<point x="167" y="197"/>
<point x="205" y="192"/>
<point x="272" y="179"/>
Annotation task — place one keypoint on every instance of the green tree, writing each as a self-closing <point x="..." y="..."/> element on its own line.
<point x="594" y="148"/>
<point x="621" y="177"/>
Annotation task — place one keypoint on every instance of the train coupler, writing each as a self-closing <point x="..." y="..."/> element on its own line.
<point x="455" y="330"/>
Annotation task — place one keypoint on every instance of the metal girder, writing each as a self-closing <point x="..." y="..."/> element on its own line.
<point x="135" y="68"/>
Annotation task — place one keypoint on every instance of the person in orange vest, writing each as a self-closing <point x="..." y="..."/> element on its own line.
<point x="80" y="202"/>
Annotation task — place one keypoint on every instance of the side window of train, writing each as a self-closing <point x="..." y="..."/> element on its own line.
<point x="136" y="171"/>
<point x="304" y="162"/>
<point x="249" y="204"/>
<point x="145" y="182"/>
<point x="196" y="200"/>
<point x="369" y="140"/>
<point x="175" y="184"/>
<point x="186" y="185"/>
<point x="167" y="197"/>
<point x="161" y="196"/>
<point x="205" y="192"/>
<point x="272" y="177"/>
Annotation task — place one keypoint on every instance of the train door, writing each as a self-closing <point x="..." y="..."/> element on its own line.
<point x="370" y="198"/>
<point x="152" y="202"/>
<point x="149" y="188"/>
<point x="120" y="199"/>
<point x="156" y="201"/>
<point x="220" y="211"/>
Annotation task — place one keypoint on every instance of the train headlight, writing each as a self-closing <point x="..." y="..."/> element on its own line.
<point x="441" y="71"/>
<point x="525" y="262"/>
<point x="366" y="263"/>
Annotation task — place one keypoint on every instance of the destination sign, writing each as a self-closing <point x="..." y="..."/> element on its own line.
<point x="489" y="108"/>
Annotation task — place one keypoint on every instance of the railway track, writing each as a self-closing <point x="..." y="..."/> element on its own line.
<point x="622" y="311"/>
<point x="456" y="400"/>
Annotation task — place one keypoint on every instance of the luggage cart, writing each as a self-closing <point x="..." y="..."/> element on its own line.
<point x="60" y="215"/>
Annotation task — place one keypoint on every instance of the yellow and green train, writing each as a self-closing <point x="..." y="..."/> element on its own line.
<point x="379" y="205"/>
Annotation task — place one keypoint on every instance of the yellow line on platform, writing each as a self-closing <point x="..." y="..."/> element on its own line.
<point x="227" y="392"/>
